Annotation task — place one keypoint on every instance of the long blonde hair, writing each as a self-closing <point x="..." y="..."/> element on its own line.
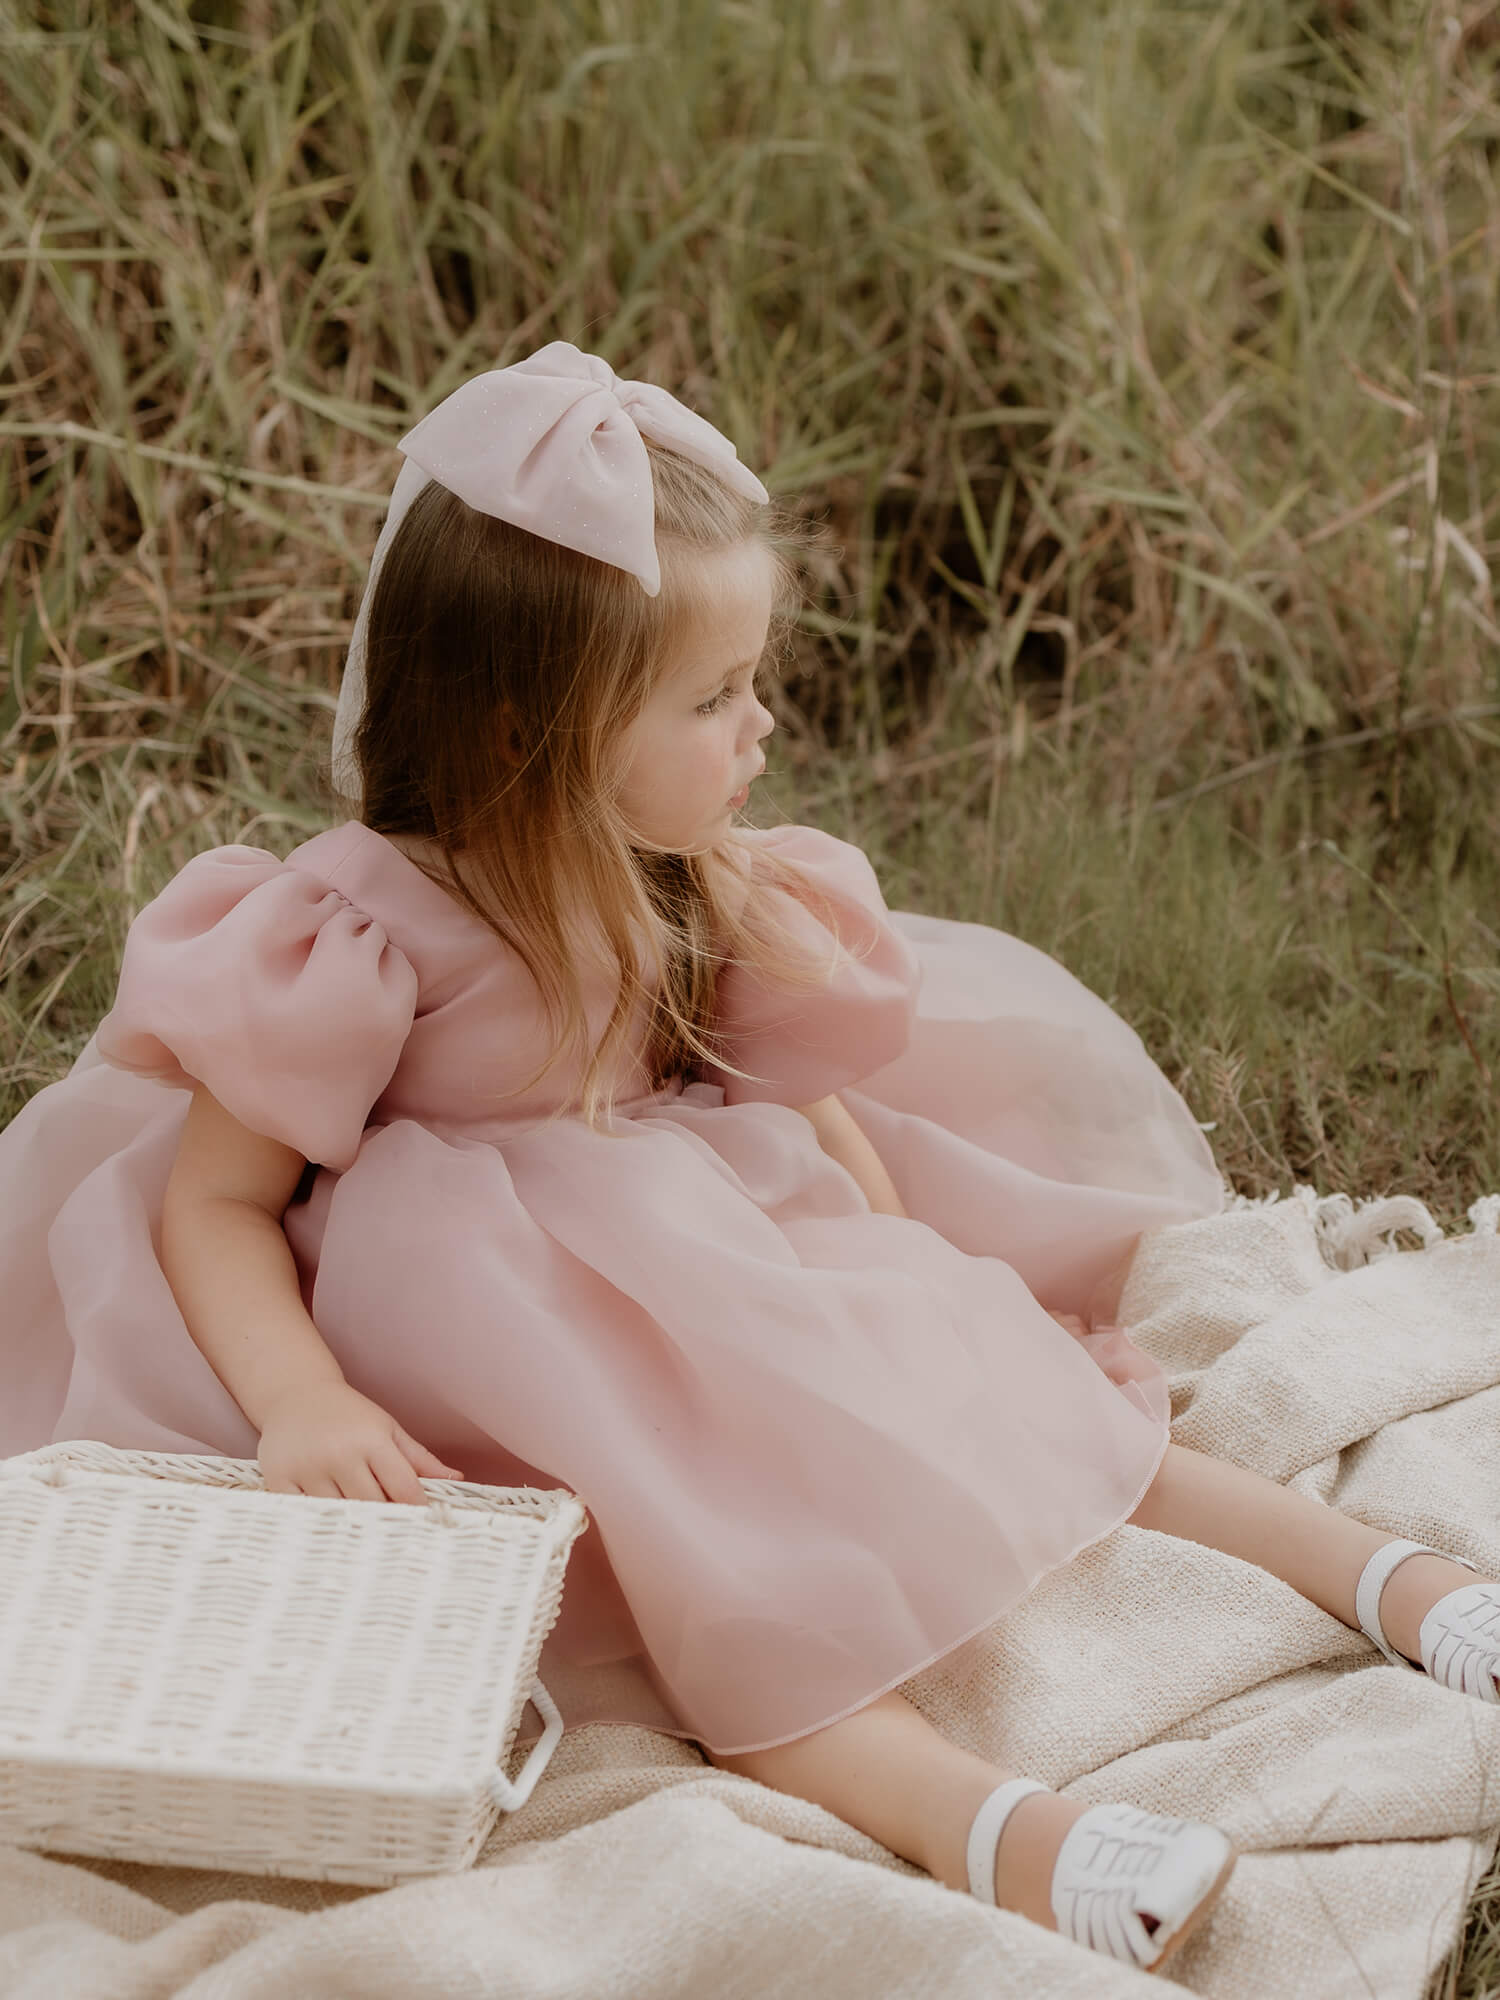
<point x="501" y="669"/>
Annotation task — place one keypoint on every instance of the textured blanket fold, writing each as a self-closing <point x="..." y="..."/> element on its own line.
<point x="1365" y="1800"/>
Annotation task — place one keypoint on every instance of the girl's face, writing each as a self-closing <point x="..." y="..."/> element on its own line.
<point x="694" y="750"/>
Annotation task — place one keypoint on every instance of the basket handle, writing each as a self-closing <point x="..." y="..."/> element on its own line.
<point x="506" y="1794"/>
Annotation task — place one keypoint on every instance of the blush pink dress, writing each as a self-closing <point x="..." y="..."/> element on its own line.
<point x="819" y="1446"/>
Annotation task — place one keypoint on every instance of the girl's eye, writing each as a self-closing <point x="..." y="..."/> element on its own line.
<point x="757" y="681"/>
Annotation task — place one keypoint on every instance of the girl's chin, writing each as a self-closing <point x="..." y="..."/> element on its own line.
<point x="706" y="834"/>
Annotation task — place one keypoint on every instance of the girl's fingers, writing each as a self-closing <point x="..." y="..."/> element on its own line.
<point x="388" y="1470"/>
<point x="358" y="1482"/>
<point x="426" y="1462"/>
<point x="396" y="1475"/>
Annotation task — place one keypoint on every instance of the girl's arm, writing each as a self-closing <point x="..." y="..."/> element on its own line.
<point x="232" y="1272"/>
<point x="841" y="1138"/>
<point x="229" y="1264"/>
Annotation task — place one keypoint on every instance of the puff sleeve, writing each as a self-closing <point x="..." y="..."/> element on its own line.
<point x="805" y="1044"/>
<point x="260" y="981"/>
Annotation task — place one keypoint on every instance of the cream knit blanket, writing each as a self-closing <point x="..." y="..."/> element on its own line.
<point x="1365" y="1800"/>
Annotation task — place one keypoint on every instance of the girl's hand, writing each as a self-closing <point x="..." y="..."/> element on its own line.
<point x="325" y="1438"/>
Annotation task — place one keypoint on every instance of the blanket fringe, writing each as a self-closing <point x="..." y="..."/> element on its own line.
<point x="1351" y="1233"/>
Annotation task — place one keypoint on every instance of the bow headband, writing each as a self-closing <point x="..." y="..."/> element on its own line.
<point x="554" y="444"/>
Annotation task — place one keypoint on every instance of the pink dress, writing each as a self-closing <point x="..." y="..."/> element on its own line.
<point x="819" y="1446"/>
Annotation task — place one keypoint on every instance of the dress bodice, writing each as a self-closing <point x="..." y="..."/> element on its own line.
<point x="344" y="987"/>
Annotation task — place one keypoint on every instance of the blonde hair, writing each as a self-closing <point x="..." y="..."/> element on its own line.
<point x="501" y="669"/>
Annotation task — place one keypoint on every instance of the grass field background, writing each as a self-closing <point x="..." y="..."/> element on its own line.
<point x="1138" y="362"/>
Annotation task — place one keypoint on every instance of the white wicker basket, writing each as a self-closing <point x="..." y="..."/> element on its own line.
<point x="196" y="1671"/>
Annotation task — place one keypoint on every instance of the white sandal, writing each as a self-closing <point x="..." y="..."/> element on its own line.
<point x="1127" y="1883"/>
<point x="1460" y="1636"/>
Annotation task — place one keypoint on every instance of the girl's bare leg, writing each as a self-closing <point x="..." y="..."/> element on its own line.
<point x="887" y="1771"/>
<point x="1316" y="1549"/>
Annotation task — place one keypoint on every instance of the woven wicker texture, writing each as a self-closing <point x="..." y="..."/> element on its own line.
<point x="195" y="1670"/>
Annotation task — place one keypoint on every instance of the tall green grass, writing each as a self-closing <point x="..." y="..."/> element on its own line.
<point x="1138" y="360"/>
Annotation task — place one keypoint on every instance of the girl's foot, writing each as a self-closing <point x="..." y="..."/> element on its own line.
<point x="1415" y="1586"/>
<point x="1125" y="1882"/>
<point x="1438" y="1615"/>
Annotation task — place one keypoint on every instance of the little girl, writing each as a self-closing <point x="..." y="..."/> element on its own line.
<point x="545" y="1120"/>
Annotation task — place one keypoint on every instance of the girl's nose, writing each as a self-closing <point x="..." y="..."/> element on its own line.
<point x="765" y="722"/>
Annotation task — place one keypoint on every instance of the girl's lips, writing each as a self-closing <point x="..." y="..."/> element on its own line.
<point x="743" y="793"/>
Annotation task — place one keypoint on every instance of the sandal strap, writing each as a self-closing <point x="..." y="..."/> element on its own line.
<point x="984" y="1834"/>
<point x="1372" y="1581"/>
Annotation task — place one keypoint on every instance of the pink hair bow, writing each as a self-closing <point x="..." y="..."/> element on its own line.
<point x="554" y="444"/>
